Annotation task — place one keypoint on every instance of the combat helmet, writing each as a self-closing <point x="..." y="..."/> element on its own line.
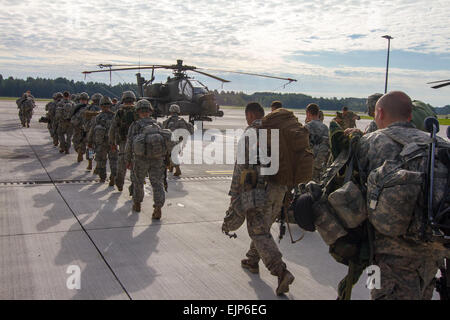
<point x="174" y="108"/>
<point x="59" y="95"/>
<point x="96" y="97"/>
<point x="84" y="96"/>
<point x="128" y="96"/>
<point x="144" y="105"/>
<point x="105" y="101"/>
<point x="54" y="96"/>
<point x="73" y="97"/>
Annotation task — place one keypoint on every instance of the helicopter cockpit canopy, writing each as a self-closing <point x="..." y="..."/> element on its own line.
<point x="199" y="88"/>
<point x="185" y="89"/>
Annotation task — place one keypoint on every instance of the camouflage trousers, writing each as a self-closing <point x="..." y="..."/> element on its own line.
<point x="65" y="131"/>
<point x="404" y="278"/>
<point x="259" y="223"/>
<point x="79" y="140"/>
<point x="155" y="170"/>
<point x="321" y="156"/>
<point x="54" y="131"/>
<point x="25" y="116"/>
<point x="102" y="154"/>
<point x="121" y="165"/>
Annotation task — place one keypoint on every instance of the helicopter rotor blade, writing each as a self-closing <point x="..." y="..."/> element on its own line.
<point x="438" y="81"/>
<point x="441" y="85"/>
<point x="124" y="69"/>
<point x="210" y="75"/>
<point x="254" y="74"/>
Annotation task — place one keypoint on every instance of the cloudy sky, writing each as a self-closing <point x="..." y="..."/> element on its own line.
<point x="333" y="47"/>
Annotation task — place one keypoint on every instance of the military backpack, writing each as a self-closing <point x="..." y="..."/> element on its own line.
<point x="152" y="142"/>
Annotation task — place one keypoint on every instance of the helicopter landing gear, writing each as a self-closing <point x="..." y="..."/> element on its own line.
<point x="193" y="119"/>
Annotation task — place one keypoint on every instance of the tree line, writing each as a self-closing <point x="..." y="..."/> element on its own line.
<point x="44" y="88"/>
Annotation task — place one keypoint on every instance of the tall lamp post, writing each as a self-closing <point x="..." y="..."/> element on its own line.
<point x="387" y="62"/>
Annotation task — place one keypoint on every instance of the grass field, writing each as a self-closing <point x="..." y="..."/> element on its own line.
<point x="14" y="99"/>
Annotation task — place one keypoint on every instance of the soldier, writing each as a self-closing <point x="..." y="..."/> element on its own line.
<point x="276" y="105"/>
<point x="52" y="117"/>
<point x="318" y="137"/>
<point x="87" y="116"/>
<point x="26" y="105"/>
<point x="346" y="119"/>
<point x="51" y="106"/>
<point x="63" y="114"/>
<point x="408" y="265"/>
<point x="123" y="118"/>
<point x="157" y="147"/>
<point x="176" y="122"/>
<point x="371" y="102"/>
<point x="262" y="210"/>
<point x="98" y="138"/>
<point x="77" y="123"/>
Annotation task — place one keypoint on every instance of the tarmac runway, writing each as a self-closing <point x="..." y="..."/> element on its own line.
<point x="55" y="217"/>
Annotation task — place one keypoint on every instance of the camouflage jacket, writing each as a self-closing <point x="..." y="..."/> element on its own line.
<point x="77" y="115"/>
<point x="86" y="124"/>
<point x="176" y="122"/>
<point x="239" y="167"/>
<point x="373" y="149"/>
<point x="134" y="130"/>
<point x="104" y="119"/>
<point x="117" y="132"/>
<point x="318" y="136"/>
<point x="371" y="127"/>
<point x="348" y="121"/>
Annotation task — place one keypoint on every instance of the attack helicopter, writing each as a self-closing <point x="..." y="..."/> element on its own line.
<point x="193" y="97"/>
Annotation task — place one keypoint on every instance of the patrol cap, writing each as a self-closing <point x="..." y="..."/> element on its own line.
<point x="174" y="108"/>
<point x="84" y="96"/>
<point x="144" y="105"/>
<point x="128" y="96"/>
<point x="105" y="101"/>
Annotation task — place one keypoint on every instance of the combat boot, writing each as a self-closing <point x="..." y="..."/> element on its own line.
<point x="89" y="167"/>
<point x="119" y="188"/>
<point x="67" y="151"/>
<point x="95" y="170"/>
<point x="284" y="280"/>
<point x="156" y="213"/>
<point x="250" y="266"/>
<point x="28" y="124"/>
<point x="80" y="156"/>
<point x="61" y="150"/>
<point x="170" y="168"/>
<point x="55" y="142"/>
<point x="137" y="207"/>
<point x="112" y="180"/>
<point x="177" y="171"/>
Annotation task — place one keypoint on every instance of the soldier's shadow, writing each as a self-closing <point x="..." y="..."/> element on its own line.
<point x="125" y="252"/>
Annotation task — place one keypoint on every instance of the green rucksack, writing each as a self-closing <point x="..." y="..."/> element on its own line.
<point x="420" y="112"/>
<point x="126" y="117"/>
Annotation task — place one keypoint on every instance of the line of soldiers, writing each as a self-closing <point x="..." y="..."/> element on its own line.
<point x="26" y="105"/>
<point x="117" y="132"/>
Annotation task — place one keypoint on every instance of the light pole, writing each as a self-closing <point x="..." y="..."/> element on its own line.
<point x="387" y="62"/>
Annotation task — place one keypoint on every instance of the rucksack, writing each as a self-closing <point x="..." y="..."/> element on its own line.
<point x="152" y="142"/>
<point x="295" y="155"/>
<point x="397" y="191"/>
<point x="126" y="117"/>
<point x="179" y="123"/>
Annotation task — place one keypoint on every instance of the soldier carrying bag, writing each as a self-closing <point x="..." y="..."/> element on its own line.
<point x="152" y="142"/>
<point x="296" y="157"/>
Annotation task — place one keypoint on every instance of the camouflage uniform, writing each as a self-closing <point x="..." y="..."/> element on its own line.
<point x="407" y="266"/>
<point x="143" y="167"/>
<point x="347" y="120"/>
<point x="103" y="150"/>
<point x="50" y="108"/>
<point x="64" y="109"/>
<point x="371" y="127"/>
<point x="260" y="220"/>
<point x="78" y="133"/>
<point x="118" y="136"/>
<point x="172" y="123"/>
<point x="86" y="126"/>
<point x="320" y="144"/>
<point x="26" y="105"/>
